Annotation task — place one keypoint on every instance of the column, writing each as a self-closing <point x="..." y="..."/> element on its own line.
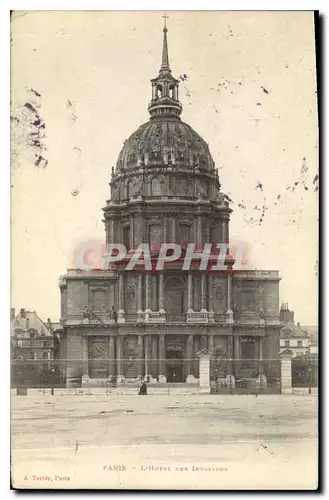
<point x="165" y="230"/>
<point x="211" y="344"/>
<point x="121" y="312"/>
<point x="261" y="367"/>
<point x="140" y="354"/>
<point x="110" y="234"/>
<point x="154" y="293"/>
<point x="173" y="229"/>
<point x="227" y="236"/>
<point x="162" y="361"/>
<point x="229" y="312"/>
<point x="161" y="293"/>
<point x="147" y="342"/>
<point x="189" y="362"/>
<point x="131" y="233"/>
<point x="236" y="351"/>
<point x="223" y="235"/>
<point x="199" y="233"/>
<point x="154" y="354"/>
<point x="203" y="292"/>
<point x="120" y="376"/>
<point x="262" y="375"/>
<point x="111" y="356"/>
<point x="210" y="299"/>
<point x="210" y="293"/>
<point x="85" y="372"/>
<point x="189" y="292"/>
<point x="230" y="378"/>
<point x="140" y="297"/>
<point x="147" y="296"/>
<point x="207" y="232"/>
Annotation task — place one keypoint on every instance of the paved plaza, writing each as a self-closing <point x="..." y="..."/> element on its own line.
<point x="193" y="441"/>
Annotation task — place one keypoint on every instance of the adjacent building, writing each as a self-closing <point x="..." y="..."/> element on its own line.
<point x="34" y="346"/>
<point x="295" y="339"/>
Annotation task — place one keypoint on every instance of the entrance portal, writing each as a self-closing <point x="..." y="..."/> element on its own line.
<point x="175" y="366"/>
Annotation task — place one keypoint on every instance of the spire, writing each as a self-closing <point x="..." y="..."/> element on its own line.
<point x="165" y="87"/>
<point x="165" y="57"/>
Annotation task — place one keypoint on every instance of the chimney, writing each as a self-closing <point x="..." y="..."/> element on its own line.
<point x="298" y="324"/>
<point x="285" y="314"/>
<point x="12" y="313"/>
<point x="22" y="313"/>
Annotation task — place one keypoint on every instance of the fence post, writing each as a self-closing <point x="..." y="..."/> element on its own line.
<point x="204" y="371"/>
<point x="286" y="385"/>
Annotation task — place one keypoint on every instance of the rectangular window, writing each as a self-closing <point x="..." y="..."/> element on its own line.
<point x="286" y="343"/>
<point x="299" y="343"/>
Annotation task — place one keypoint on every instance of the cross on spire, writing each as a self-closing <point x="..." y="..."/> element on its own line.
<point x="165" y="17"/>
<point x="165" y="57"/>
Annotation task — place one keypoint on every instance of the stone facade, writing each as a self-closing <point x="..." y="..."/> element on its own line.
<point x="119" y="325"/>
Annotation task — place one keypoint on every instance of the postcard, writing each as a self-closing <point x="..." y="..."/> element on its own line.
<point x="164" y="220"/>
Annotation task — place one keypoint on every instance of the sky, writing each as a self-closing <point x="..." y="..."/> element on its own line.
<point x="250" y="92"/>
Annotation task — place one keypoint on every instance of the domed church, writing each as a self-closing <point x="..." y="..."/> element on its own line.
<point x="122" y="325"/>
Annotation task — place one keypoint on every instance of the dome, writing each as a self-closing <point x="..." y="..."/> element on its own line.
<point x="165" y="141"/>
<point x="165" y="158"/>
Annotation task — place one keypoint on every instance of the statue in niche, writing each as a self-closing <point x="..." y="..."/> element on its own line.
<point x="236" y="311"/>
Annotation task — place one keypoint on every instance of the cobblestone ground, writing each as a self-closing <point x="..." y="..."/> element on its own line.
<point x="221" y="442"/>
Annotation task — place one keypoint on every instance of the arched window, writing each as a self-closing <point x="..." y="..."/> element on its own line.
<point x="172" y="92"/>
<point x="126" y="237"/>
<point x="159" y="91"/>
<point x="155" y="186"/>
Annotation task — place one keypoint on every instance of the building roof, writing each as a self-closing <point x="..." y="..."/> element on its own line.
<point x="312" y="332"/>
<point x="26" y="321"/>
<point x="291" y="330"/>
